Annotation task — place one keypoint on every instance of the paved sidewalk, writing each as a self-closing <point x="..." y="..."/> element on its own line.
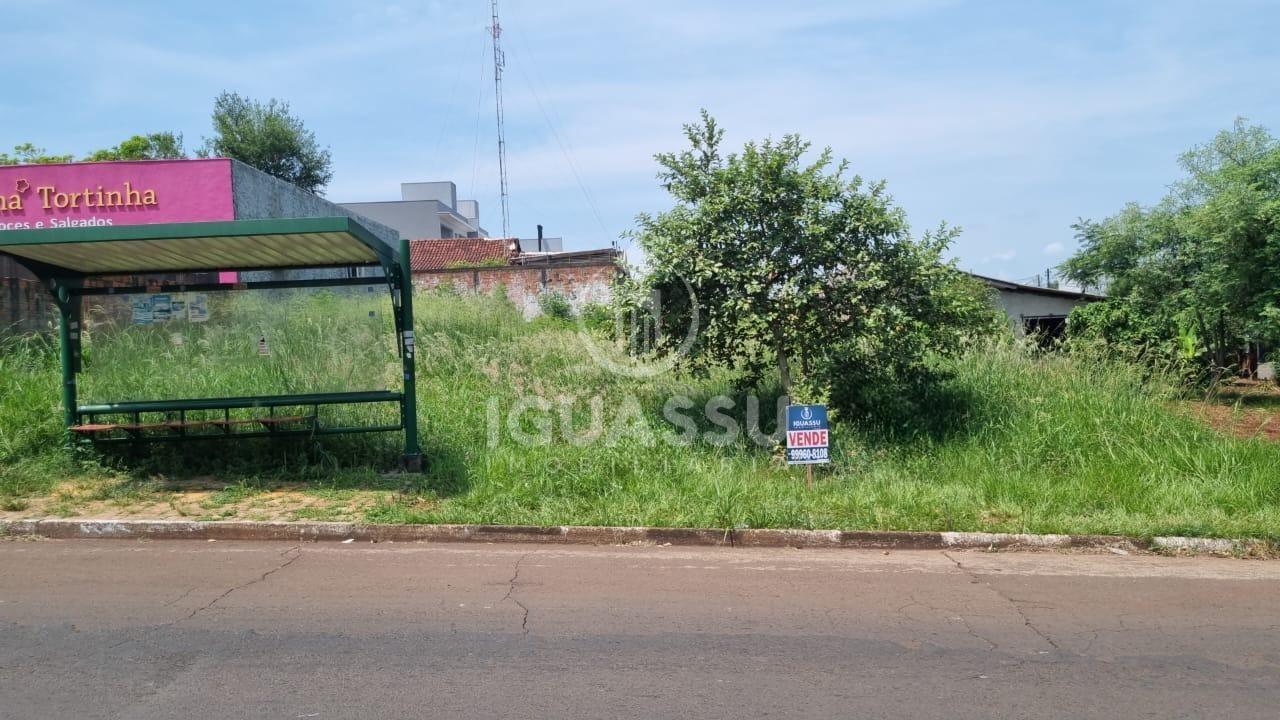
<point x="204" y="629"/>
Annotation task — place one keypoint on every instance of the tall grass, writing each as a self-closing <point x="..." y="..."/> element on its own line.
<point x="1010" y="440"/>
<point x="317" y="341"/>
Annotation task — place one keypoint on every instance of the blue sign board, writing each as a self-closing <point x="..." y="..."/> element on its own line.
<point x="808" y="435"/>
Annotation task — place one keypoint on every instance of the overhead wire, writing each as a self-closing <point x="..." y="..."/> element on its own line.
<point x="450" y="116"/>
<point x="551" y="125"/>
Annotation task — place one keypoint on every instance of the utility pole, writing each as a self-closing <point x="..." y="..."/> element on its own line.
<point x="499" y="62"/>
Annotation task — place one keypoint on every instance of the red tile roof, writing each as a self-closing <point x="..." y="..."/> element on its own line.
<point x="444" y="254"/>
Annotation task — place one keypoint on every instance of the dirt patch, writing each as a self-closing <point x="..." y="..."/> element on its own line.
<point x="1239" y="421"/>
<point x="1245" y="408"/>
<point x="204" y="499"/>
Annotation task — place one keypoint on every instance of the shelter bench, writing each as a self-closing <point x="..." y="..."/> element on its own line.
<point x="136" y="421"/>
<point x="78" y="262"/>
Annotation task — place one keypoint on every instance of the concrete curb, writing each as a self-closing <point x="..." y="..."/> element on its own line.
<point x="582" y="535"/>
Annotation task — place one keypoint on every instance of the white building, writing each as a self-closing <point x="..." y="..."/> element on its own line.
<point x="426" y="210"/>
<point x="1034" y="309"/>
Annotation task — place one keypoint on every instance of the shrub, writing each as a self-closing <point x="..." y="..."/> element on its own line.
<point x="597" y="317"/>
<point x="555" y="305"/>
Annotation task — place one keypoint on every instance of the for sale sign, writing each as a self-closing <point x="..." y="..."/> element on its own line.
<point x="808" y="435"/>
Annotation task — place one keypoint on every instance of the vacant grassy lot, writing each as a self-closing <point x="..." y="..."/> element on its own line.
<point x="1011" y="442"/>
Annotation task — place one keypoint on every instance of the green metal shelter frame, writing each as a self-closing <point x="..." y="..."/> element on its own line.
<point x="68" y="261"/>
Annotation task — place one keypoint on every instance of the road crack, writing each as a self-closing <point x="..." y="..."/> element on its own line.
<point x="296" y="550"/>
<point x="181" y="597"/>
<point x="968" y="626"/>
<point x="511" y="589"/>
<point x="1026" y="619"/>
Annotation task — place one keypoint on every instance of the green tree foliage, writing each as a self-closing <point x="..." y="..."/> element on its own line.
<point x="29" y="154"/>
<point x="153" y="146"/>
<point x="268" y="137"/>
<point x="798" y="270"/>
<point x="1197" y="276"/>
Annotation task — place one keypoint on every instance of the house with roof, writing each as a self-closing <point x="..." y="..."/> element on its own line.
<point x="1035" y="310"/>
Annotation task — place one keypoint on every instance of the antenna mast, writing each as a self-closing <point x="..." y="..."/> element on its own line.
<point x="499" y="62"/>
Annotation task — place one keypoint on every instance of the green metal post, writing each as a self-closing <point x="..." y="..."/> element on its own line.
<point x="68" y="335"/>
<point x="412" y="459"/>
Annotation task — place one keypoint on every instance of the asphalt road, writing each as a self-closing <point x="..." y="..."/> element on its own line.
<point x="124" y="629"/>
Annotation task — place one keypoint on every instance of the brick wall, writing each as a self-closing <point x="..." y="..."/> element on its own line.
<point x="25" y="305"/>
<point x="580" y="283"/>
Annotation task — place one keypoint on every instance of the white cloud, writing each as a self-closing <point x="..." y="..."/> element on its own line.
<point x="1053" y="248"/>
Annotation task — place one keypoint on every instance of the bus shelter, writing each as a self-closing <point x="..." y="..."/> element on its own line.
<point x="77" y="262"/>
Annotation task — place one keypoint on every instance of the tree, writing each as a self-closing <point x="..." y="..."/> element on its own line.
<point x="268" y="137"/>
<point x="29" y="154"/>
<point x="1198" y="274"/>
<point x="795" y="269"/>
<point x="153" y="146"/>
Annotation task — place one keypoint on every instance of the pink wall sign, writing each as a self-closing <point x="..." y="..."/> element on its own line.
<point x="35" y="197"/>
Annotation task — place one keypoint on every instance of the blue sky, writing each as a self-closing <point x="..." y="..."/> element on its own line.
<point x="1010" y="119"/>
